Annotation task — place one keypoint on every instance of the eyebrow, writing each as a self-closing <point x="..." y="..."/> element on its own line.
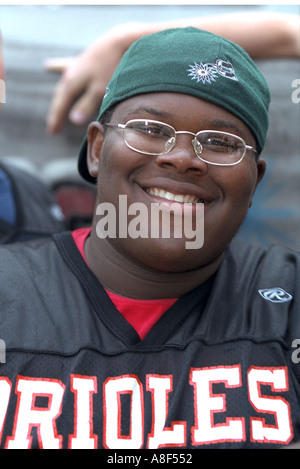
<point x="219" y="123"/>
<point x="216" y="123"/>
<point x="152" y="111"/>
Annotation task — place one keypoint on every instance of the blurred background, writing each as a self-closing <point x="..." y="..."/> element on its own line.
<point x="32" y="34"/>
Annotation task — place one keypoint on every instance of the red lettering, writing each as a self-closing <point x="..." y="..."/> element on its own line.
<point x="112" y="390"/>
<point x="28" y="414"/>
<point x="40" y="400"/>
<point x="5" y="389"/>
<point x="277" y="379"/>
<point x="206" y="404"/>
<point x="160" y="386"/>
<point x="84" y="387"/>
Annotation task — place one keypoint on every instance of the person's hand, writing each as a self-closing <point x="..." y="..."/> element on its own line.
<point x="82" y="85"/>
<point x="81" y="88"/>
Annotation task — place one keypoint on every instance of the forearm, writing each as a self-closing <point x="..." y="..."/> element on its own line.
<point x="261" y="34"/>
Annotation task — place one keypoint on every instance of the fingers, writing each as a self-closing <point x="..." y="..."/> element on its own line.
<point x="82" y="85"/>
<point x="63" y="96"/>
<point x="66" y="92"/>
<point x="77" y="94"/>
<point x="58" y="64"/>
<point x="59" y="106"/>
<point x="86" y="106"/>
<point x="62" y="105"/>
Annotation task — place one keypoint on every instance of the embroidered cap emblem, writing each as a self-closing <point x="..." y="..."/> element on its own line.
<point x="275" y="295"/>
<point x="208" y="72"/>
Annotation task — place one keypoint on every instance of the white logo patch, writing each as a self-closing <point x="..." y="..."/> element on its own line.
<point x="106" y="92"/>
<point x="208" y="72"/>
<point x="275" y="295"/>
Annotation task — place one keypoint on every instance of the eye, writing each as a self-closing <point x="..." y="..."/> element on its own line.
<point x="217" y="144"/>
<point x="152" y="129"/>
<point x="220" y="143"/>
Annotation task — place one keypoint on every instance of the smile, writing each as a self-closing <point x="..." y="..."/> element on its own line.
<point x="181" y="198"/>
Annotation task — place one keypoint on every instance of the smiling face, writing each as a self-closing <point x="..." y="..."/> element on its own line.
<point x="176" y="176"/>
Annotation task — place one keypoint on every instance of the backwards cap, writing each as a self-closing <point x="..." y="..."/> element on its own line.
<point x="193" y="62"/>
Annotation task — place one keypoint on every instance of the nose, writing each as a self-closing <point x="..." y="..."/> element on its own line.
<point x="183" y="155"/>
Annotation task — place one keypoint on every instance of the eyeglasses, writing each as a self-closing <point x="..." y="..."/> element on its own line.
<point x="156" y="138"/>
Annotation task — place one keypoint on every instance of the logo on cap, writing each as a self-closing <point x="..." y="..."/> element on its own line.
<point x="208" y="72"/>
<point x="106" y="92"/>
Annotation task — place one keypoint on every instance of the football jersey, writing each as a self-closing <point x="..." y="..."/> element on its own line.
<point x="220" y="369"/>
<point x="141" y="314"/>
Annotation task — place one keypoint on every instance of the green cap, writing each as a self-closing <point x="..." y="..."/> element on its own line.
<point x="193" y="62"/>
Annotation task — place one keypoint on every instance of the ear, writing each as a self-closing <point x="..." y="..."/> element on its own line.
<point x="261" y="169"/>
<point x="95" y="141"/>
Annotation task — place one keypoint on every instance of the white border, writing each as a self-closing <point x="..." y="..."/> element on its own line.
<point x="157" y="2"/>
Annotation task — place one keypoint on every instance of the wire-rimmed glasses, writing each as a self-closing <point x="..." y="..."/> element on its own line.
<point x="155" y="138"/>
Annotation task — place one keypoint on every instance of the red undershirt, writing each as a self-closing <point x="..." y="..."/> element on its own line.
<point x="141" y="314"/>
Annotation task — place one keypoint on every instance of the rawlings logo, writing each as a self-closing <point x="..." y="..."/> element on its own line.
<point x="275" y="295"/>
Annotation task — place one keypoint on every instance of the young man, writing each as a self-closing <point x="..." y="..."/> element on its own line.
<point x="127" y="335"/>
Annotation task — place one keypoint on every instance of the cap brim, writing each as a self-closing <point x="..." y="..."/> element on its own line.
<point x="82" y="164"/>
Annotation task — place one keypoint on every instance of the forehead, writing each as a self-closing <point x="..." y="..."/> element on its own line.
<point x="184" y="112"/>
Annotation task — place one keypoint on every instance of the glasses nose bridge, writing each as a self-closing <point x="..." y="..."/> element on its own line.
<point x="196" y="144"/>
<point x="185" y="132"/>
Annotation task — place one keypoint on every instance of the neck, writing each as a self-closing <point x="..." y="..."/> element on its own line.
<point x="125" y="277"/>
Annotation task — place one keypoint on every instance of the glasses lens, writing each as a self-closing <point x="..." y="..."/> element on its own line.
<point x="221" y="147"/>
<point x="149" y="137"/>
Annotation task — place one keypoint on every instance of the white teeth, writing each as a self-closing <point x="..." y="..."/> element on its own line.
<point x="173" y="197"/>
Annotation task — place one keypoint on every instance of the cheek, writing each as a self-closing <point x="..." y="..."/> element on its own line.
<point x="237" y="186"/>
<point x="111" y="172"/>
<point x="241" y="184"/>
<point x="118" y="169"/>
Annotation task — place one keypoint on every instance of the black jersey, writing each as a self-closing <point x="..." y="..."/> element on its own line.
<point x="220" y="369"/>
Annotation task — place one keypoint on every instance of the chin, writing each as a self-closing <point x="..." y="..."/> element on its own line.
<point x="164" y="256"/>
